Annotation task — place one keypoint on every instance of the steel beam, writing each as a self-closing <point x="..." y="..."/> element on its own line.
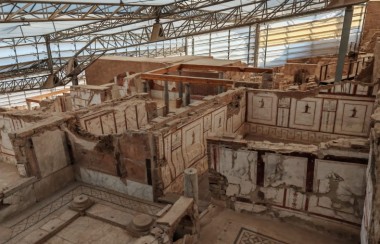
<point x="19" y="82"/>
<point x="191" y="25"/>
<point x="50" y="58"/>
<point x="344" y="39"/>
<point x="38" y="11"/>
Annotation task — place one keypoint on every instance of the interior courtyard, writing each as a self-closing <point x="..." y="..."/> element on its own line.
<point x="158" y="122"/>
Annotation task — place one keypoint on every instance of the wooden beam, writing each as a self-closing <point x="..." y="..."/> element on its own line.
<point x="226" y="68"/>
<point x="39" y="98"/>
<point x="186" y="79"/>
<point x="165" y="70"/>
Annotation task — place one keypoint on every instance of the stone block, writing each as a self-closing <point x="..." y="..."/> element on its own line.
<point x="110" y="215"/>
<point x="53" y="225"/>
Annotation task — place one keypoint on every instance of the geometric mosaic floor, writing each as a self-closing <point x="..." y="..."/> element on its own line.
<point x="65" y="199"/>
<point x="247" y="236"/>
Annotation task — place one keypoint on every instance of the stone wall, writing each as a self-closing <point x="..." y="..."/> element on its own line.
<point x="371" y="27"/>
<point x="370" y="232"/>
<point x="41" y="148"/>
<point x="42" y="155"/>
<point x="305" y="179"/>
<point x="10" y="122"/>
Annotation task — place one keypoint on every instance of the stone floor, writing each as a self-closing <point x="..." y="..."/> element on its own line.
<point x="224" y="226"/>
<point x="90" y="230"/>
<point x="110" y="207"/>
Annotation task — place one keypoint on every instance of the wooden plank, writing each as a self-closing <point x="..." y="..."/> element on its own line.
<point x="226" y="68"/>
<point x="186" y="79"/>
<point x="165" y="70"/>
<point x="39" y="98"/>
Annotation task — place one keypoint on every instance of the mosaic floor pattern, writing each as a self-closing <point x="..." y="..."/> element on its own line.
<point x="247" y="236"/>
<point x="138" y="206"/>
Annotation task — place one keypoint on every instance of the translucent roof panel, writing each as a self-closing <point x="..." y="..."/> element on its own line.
<point x="129" y="2"/>
<point x="12" y="30"/>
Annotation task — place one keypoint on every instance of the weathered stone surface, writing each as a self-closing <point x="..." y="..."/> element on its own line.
<point x="81" y="203"/>
<point x="110" y="215"/>
<point x="53" y="225"/>
<point x="51" y="152"/>
<point x="53" y="182"/>
<point x="179" y="209"/>
<point x="142" y="222"/>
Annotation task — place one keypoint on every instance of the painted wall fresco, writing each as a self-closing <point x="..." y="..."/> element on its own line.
<point x="132" y="116"/>
<point x="348" y="116"/>
<point x="186" y="146"/>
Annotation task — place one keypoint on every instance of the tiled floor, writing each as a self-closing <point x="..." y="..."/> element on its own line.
<point x="90" y="230"/>
<point x="45" y="211"/>
<point x="247" y="236"/>
<point x="225" y="226"/>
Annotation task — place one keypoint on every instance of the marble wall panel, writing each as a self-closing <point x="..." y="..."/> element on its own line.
<point x="132" y="188"/>
<point x="239" y="167"/>
<point x="288" y="170"/>
<point x="340" y="189"/>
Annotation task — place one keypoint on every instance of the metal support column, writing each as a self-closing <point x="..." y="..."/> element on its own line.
<point x="344" y="42"/>
<point x="49" y="56"/>
<point x="249" y="44"/>
<point x="166" y="97"/>
<point x="257" y="46"/>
